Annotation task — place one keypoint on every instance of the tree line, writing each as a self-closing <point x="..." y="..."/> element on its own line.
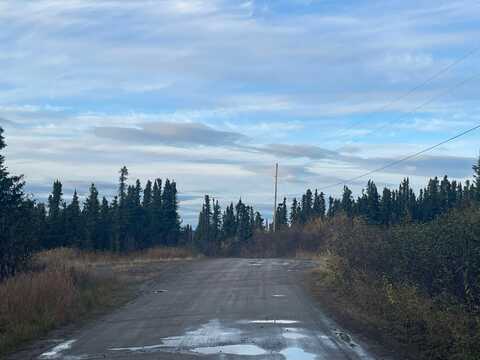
<point x="226" y="232"/>
<point x="136" y="218"/>
<point x="389" y="207"/>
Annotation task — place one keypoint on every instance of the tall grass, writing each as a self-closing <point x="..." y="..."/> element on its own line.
<point x="64" y="285"/>
<point x="33" y="303"/>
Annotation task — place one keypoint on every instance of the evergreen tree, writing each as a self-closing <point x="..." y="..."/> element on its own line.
<point x="216" y="228"/>
<point x="171" y="220"/>
<point x="75" y="228"/>
<point x="295" y="211"/>
<point x="229" y="228"/>
<point x="347" y="201"/>
<point x="319" y="205"/>
<point x="17" y="237"/>
<point x="373" y="203"/>
<point x="56" y="230"/>
<point x="281" y="216"/>
<point x="91" y="213"/>
<point x="259" y="222"/>
<point x="476" y="179"/>
<point x="105" y="224"/>
<point x="202" y="237"/>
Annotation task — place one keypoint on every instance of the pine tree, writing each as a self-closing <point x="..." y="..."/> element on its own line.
<point x="216" y="228"/>
<point x="75" y="228"/>
<point x="373" y="203"/>
<point x="17" y="239"/>
<point x="202" y="237"/>
<point x="295" y="213"/>
<point x="347" y="201"/>
<point x="156" y="217"/>
<point x="319" y="205"/>
<point x="476" y="179"/>
<point x="171" y="220"/>
<point x="229" y="228"/>
<point x="259" y="222"/>
<point x="121" y="211"/>
<point x="56" y="230"/>
<point x="281" y="216"/>
<point x="91" y="213"/>
<point x="386" y="207"/>
<point x="105" y="224"/>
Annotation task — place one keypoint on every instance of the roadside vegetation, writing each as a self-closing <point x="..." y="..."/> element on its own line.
<point x="406" y="271"/>
<point x="65" y="285"/>
<point x="404" y="265"/>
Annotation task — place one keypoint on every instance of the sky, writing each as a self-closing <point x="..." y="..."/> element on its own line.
<point x="211" y="93"/>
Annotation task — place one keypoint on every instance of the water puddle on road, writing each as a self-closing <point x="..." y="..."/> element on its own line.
<point x="283" y="339"/>
<point x="246" y="350"/>
<point x="296" y="353"/>
<point x="280" y="322"/>
<point x="56" y="352"/>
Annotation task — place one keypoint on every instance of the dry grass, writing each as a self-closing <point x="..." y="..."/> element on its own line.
<point x="73" y="257"/>
<point x="33" y="303"/>
<point x="66" y="285"/>
<point x="400" y="316"/>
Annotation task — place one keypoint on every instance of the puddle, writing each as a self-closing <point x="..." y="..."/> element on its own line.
<point x="282" y="322"/>
<point x="278" y="295"/>
<point x="56" y="351"/>
<point x="246" y="350"/>
<point x="215" y="338"/>
<point x="146" y="348"/>
<point x="292" y="334"/>
<point x="296" y="353"/>
<point x="205" y="336"/>
<point x="159" y="291"/>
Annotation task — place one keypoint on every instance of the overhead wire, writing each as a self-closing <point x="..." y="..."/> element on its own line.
<point x="408" y="157"/>
<point x="410" y="91"/>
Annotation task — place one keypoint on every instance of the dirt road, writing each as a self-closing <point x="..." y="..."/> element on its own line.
<point x="218" y="309"/>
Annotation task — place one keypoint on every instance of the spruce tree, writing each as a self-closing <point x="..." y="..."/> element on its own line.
<point x="17" y="239"/>
<point x="229" y="224"/>
<point x="75" y="227"/>
<point x="91" y="211"/>
<point x="105" y="224"/>
<point x="216" y="227"/>
<point x="295" y="213"/>
<point x="56" y="230"/>
<point x="347" y="201"/>
<point x="476" y="179"/>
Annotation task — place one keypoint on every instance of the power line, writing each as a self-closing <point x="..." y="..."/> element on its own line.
<point x="429" y="101"/>
<point x="403" y="159"/>
<point x="411" y="91"/>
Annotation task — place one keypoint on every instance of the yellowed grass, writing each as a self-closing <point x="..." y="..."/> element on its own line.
<point x="33" y="303"/>
<point x="66" y="285"/>
<point x="74" y="257"/>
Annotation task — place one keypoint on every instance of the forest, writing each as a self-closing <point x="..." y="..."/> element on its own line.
<point x="143" y="217"/>
<point x="136" y="218"/>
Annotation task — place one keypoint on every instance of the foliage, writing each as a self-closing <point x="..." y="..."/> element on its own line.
<point x="128" y="223"/>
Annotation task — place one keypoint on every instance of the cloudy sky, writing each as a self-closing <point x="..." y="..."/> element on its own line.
<point x="212" y="93"/>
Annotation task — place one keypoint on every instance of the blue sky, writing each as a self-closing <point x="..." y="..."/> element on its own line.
<point x="212" y="93"/>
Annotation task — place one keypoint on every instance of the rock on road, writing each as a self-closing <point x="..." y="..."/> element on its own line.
<point x="217" y="309"/>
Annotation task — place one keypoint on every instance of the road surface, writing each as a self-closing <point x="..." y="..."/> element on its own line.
<point x="216" y="309"/>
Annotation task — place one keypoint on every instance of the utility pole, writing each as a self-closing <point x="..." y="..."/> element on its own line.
<point x="275" y="202"/>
